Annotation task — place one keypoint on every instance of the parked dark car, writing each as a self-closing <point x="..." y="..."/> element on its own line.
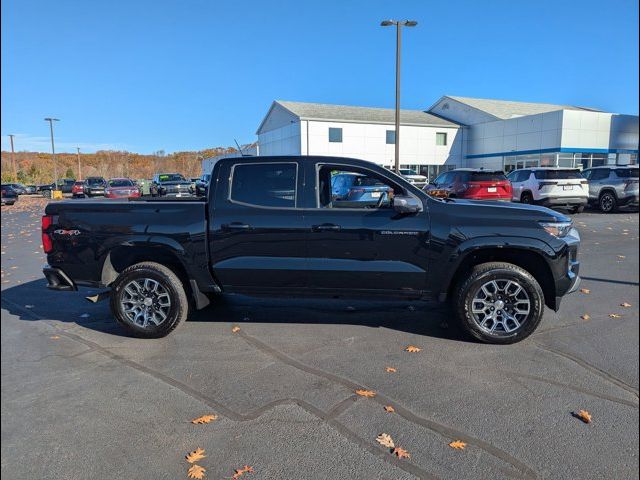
<point x="121" y="188"/>
<point x="77" y="191"/>
<point x="473" y="184"/>
<point x="9" y="195"/>
<point x="65" y="185"/>
<point x="19" y="188"/>
<point x="613" y="187"/>
<point x="269" y="226"/>
<point x="94" y="186"/>
<point x="202" y="184"/>
<point x="31" y="189"/>
<point x="173" y="184"/>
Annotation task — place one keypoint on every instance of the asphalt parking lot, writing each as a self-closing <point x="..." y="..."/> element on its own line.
<point x="80" y="399"/>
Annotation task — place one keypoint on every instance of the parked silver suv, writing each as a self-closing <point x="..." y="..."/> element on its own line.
<point x="612" y="187"/>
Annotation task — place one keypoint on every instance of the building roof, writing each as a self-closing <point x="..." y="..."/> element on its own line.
<point x="345" y="113"/>
<point x="505" y="109"/>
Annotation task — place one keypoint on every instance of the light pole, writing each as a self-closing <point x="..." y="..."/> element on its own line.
<point x="399" y="24"/>
<point x="13" y="160"/>
<point x="79" y="168"/>
<point x="53" y="151"/>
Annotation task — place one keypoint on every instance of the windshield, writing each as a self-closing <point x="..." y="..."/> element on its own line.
<point x="120" y="182"/>
<point x="627" y="172"/>
<point x="406" y="171"/>
<point x="94" y="181"/>
<point x="557" y="174"/>
<point x="171" y="177"/>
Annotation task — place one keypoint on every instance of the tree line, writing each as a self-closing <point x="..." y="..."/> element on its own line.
<point x="38" y="168"/>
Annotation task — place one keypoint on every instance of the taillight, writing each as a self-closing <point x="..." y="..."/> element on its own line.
<point x="47" y="243"/>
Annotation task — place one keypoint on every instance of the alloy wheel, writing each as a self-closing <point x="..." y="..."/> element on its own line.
<point x="500" y="307"/>
<point x="145" y="302"/>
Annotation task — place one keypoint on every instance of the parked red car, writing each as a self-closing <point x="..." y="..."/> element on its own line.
<point x="78" y="189"/>
<point x="473" y="184"/>
<point x="121" y="188"/>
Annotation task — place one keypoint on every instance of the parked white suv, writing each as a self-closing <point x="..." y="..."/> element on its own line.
<point x="413" y="177"/>
<point x="550" y="187"/>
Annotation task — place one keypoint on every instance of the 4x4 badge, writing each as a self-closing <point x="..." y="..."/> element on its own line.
<point x="66" y="232"/>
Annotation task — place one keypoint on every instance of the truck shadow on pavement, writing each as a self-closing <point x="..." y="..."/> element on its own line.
<point x="31" y="301"/>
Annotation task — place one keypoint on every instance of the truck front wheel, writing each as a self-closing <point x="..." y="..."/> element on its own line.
<point x="149" y="300"/>
<point x="499" y="303"/>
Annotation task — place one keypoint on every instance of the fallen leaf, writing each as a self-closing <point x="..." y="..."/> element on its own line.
<point x="204" y="419"/>
<point x="196" y="455"/>
<point x="615" y="315"/>
<point x="625" y="305"/>
<point x="401" y="452"/>
<point x="621" y="256"/>
<point x="391" y="369"/>
<point x="385" y="440"/>
<point x="412" y="349"/>
<point x="389" y="409"/>
<point x="55" y="337"/>
<point x="585" y="290"/>
<point x="458" y="444"/>
<point x="586" y="316"/>
<point x="235" y="329"/>
<point x="583" y="415"/>
<point x="242" y="471"/>
<point x="197" y="472"/>
<point x="366" y="393"/>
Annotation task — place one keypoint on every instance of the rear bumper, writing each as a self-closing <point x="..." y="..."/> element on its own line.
<point x="629" y="200"/>
<point x="563" y="201"/>
<point x="58" y="280"/>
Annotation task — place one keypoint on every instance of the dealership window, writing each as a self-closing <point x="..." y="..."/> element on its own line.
<point x="391" y="137"/>
<point x="335" y="135"/>
<point x="264" y="184"/>
<point x="441" y="138"/>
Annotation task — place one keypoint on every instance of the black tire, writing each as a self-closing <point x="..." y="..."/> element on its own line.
<point x="608" y="202"/>
<point x="46" y="194"/>
<point x="471" y="285"/>
<point x="578" y="209"/>
<point x="527" y="198"/>
<point x="179" y="305"/>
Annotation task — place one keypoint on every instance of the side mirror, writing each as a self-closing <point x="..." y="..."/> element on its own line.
<point x="406" y="204"/>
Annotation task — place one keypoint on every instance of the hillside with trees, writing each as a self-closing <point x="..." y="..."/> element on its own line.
<point x="37" y="167"/>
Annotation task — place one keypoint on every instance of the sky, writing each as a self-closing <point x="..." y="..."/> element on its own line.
<point x="176" y="75"/>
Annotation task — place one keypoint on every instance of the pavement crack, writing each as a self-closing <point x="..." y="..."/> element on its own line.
<point x="591" y="368"/>
<point x="447" y="432"/>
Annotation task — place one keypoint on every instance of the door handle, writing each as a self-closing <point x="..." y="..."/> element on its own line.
<point x="325" y="227"/>
<point x="236" y="226"/>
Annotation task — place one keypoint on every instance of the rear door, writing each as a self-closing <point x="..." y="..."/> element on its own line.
<point x="256" y="232"/>
<point x="360" y="247"/>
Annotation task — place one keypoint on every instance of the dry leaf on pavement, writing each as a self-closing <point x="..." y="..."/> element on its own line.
<point x="196" y="455"/>
<point x="204" y="419"/>
<point x="412" y="349"/>
<point x="366" y="393"/>
<point x="621" y="256"/>
<point x="401" y="452"/>
<point x="625" y="304"/>
<point x="197" y="472"/>
<point x="585" y="290"/>
<point x="385" y="440"/>
<point x="389" y="409"/>
<point x="615" y="315"/>
<point x="583" y="415"/>
<point x="458" y="444"/>
<point x="391" y="369"/>
<point x="242" y="471"/>
<point x="235" y="329"/>
<point x="586" y="316"/>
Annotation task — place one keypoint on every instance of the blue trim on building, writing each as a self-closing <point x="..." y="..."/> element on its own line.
<point x="553" y="150"/>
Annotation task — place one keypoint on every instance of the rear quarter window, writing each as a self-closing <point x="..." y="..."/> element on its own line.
<point x="627" y="172"/>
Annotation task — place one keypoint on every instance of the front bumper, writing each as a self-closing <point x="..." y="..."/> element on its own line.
<point x="94" y="191"/>
<point x="58" y="280"/>
<point x="566" y="270"/>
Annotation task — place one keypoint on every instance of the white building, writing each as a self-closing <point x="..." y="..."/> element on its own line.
<point x="427" y="141"/>
<point x="454" y="132"/>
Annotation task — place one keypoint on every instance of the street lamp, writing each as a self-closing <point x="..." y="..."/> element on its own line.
<point x="399" y="24"/>
<point x="53" y="151"/>
<point x="13" y="160"/>
<point x="79" y="168"/>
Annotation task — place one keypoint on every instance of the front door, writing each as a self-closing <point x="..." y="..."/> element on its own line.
<point x="256" y="232"/>
<point x="358" y="242"/>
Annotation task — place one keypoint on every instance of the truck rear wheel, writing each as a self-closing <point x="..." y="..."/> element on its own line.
<point x="499" y="303"/>
<point x="149" y="300"/>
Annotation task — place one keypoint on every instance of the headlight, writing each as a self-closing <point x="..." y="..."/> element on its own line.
<point x="557" y="229"/>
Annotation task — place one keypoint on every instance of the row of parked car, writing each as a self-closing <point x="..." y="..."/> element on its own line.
<point x="606" y="187"/>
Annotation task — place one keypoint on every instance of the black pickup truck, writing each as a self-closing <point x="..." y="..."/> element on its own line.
<point x="270" y="225"/>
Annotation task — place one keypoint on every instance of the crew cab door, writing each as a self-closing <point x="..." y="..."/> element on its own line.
<point x="256" y="233"/>
<point x="359" y="243"/>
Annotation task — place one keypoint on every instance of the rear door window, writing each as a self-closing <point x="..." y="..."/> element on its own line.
<point x="599" y="174"/>
<point x="264" y="184"/>
<point x="627" y="172"/>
